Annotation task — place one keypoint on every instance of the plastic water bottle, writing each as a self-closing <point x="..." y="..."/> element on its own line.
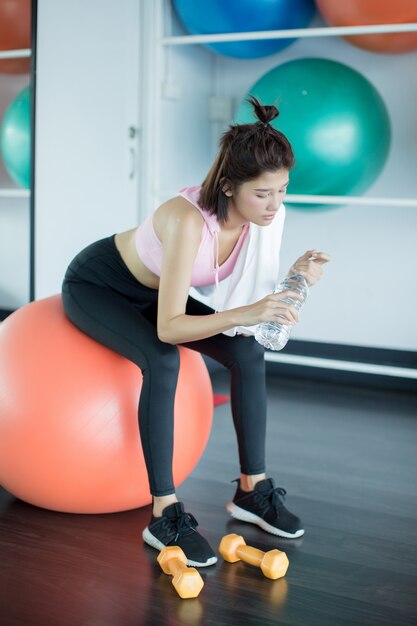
<point x="274" y="335"/>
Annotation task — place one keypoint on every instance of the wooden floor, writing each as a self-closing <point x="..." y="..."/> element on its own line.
<point x="348" y="459"/>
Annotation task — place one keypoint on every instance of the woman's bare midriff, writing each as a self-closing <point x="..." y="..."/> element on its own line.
<point x="125" y="243"/>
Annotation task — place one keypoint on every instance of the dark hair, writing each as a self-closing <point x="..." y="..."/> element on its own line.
<point x="246" y="151"/>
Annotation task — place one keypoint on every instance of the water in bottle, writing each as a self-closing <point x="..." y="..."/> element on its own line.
<point x="274" y="335"/>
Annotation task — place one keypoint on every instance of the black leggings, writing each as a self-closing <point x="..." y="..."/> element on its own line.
<point x="103" y="299"/>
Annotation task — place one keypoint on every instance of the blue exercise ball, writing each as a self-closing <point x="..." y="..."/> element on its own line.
<point x="335" y="120"/>
<point x="234" y="16"/>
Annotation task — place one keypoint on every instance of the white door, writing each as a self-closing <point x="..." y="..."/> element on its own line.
<point x="86" y="129"/>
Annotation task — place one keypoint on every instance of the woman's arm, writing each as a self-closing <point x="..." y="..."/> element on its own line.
<point x="181" y="239"/>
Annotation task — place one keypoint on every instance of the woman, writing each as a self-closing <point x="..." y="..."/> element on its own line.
<point x="130" y="292"/>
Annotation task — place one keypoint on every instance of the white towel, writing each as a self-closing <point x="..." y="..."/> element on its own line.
<point x="255" y="274"/>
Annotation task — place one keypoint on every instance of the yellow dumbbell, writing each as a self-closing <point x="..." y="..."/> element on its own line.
<point x="274" y="563"/>
<point x="186" y="580"/>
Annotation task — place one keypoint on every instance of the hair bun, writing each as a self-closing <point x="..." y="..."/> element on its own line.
<point x="264" y="112"/>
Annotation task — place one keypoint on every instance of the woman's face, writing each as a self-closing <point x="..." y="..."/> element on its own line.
<point x="258" y="200"/>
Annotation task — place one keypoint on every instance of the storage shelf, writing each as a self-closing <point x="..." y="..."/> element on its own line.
<point x="326" y="31"/>
<point x="352" y="200"/>
<point x="14" y="193"/>
<point x="330" y="200"/>
<point x="15" y="54"/>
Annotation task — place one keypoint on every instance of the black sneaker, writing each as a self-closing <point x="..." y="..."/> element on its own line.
<point x="177" y="528"/>
<point x="263" y="506"/>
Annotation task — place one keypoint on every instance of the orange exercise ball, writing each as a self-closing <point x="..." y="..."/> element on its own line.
<point x="367" y="12"/>
<point x="15" y="29"/>
<point x="69" y="433"/>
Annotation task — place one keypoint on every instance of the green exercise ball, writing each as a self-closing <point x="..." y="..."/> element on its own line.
<point x="336" y="121"/>
<point x="15" y="139"/>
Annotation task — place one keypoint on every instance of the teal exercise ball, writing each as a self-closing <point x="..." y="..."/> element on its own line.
<point x="15" y="139"/>
<point x="234" y="16"/>
<point x="335" y="120"/>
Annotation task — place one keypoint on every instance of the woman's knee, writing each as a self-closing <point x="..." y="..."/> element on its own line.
<point x="248" y="353"/>
<point x="164" y="361"/>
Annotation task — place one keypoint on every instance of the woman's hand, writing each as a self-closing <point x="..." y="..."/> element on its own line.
<point x="309" y="265"/>
<point x="270" y="309"/>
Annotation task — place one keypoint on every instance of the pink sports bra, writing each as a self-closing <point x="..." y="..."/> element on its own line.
<point x="206" y="270"/>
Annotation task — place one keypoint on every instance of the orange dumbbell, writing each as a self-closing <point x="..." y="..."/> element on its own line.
<point x="186" y="580"/>
<point x="274" y="563"/>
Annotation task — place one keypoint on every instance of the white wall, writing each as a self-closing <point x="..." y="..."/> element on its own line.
<point x="368" y="295"/>
<point x="186" y="135"/>
<point x="86" y="99"/>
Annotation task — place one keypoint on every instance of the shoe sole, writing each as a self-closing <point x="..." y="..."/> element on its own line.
<point x="246" y="516"/>
<point x="151" y="540"/>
